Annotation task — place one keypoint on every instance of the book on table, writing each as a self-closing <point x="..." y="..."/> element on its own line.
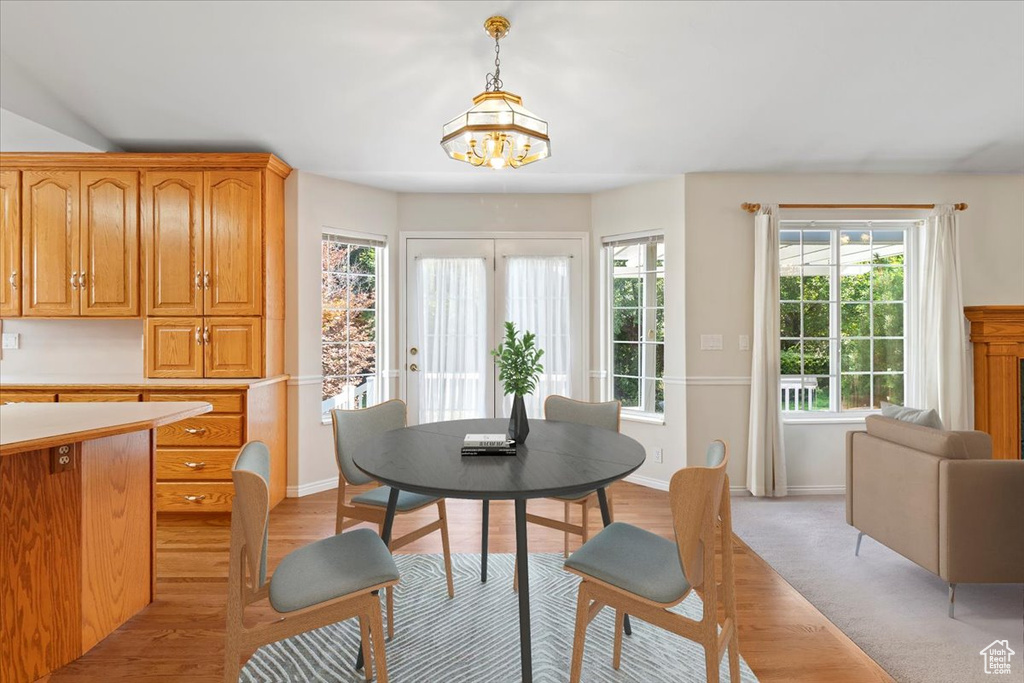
<point x="488" y="444"/>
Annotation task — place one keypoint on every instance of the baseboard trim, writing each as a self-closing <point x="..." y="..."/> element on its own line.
<point x="649" y="482"/>
<point x="815" y="490"/>
<point x="310" y="488"/>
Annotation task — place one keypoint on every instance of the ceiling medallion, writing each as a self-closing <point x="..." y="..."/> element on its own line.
<point x="497" y="132"/>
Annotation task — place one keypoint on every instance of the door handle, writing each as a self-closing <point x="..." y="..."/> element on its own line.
<point x="74" y="279"/>
<point x="199" y="280"/>
<point x="195" y="430"/>
<point x="206" y="280"/>
<point x="195" y="465"/>
<point x="13" y="279"/>
<point x="199" y="340"/>
<point x="195" y="499"/>
<point x="81" y="279"/>
<point x="414" y="367"/>
<point x="206" y="335"/>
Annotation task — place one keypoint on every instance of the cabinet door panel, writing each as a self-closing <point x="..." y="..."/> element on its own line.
<point x="50" y="255"/>
<point x="110" y="243"/>
<point x="233" y="347"/>
<point x="233" y="249"/>
<point x="10" y="244"/>
<point x="174" y="347"/>
<point x="172" y="220"/>
<point x="94" y="397"/>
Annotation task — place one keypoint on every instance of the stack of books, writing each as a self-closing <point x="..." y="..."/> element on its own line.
<point x="488" y="444"/>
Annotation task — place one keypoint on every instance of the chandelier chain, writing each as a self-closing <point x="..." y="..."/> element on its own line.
<point x="494" y="79"/>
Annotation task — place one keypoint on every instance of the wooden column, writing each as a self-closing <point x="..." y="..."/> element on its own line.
<point x="997" y="333"/>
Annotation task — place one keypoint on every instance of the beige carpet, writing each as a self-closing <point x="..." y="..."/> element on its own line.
<point x="893" y="609"/>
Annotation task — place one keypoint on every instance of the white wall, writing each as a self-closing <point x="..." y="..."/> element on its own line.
<point x="494" y="212"/>
<point x="719" y="292"/>
<point x="658" y="206"/>
<point x="73" y="351"/>
<point x="18" y="134"/>
<point x="313" y="202"/>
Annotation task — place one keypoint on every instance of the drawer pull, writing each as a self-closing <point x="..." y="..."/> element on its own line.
<point x="195" y="430"/>
<point x="195" y="499"/>
<point x="195" y="465"/>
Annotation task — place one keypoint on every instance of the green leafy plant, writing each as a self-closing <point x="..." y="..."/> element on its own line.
<point x="518" y="361"/>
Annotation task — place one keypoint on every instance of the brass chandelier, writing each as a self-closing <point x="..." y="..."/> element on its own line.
<point x="497" y="132"/>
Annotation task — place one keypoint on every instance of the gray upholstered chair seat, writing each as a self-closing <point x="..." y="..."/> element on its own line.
<point x="634" y="560"/>
<point x="331" y="568"/>
<point x="406" y="500"/>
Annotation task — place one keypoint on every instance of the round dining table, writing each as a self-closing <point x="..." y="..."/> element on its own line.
<point x="559" y="459"/>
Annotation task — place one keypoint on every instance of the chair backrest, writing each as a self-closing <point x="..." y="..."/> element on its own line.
<point x="605" y="415"/>
<point x="251" y="506"/>
<point x="354" y="426"/>
<point x="696" y="495"/>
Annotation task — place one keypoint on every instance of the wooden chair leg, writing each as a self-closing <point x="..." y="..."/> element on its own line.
<point x="379" y="653"/>
<point x="232" y="663"/>
<point x="711" y="660"/>
<point x="364" y="632"/>
<point x="586" y="521"/>
<point x="620" y="617"/>
<point x="389" y="595"/>
<point x="565" y="550"/>
<point x="442" y="513"/>
<point x="580" y="635"/>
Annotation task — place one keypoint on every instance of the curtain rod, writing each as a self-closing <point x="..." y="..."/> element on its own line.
<point x="754" y="208"/>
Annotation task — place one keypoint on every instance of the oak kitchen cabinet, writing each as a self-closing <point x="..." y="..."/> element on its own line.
<point x="80" y="243"/>
<point x="165" y="236"/>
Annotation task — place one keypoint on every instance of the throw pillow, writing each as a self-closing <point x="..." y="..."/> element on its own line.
<point x="927" y="418"/>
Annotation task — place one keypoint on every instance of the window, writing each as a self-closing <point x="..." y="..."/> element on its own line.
<point x="350" y="331"/>
<point x="842" y="303"/>
<point x="636" y="274"/>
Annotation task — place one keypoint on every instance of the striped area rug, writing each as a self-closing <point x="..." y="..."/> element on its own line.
<point x="474" y="638"/>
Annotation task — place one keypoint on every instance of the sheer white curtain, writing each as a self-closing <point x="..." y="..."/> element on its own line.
<point x="941" y="376"/>
<point x="454" y="357"/>
<point x="766" y="458"/>
<point x="537" y="300"/>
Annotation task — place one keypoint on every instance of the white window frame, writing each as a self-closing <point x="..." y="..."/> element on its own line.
<point x="383" y="373"/>
<point x="644" y="413"/>
<point x="836" y="414"/>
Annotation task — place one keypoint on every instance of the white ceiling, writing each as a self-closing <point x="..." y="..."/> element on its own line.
<point x="632" y="90"/>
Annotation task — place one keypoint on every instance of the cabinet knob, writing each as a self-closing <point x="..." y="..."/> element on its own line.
<point x="195" y="465"/>
<point x="74" y="279"/>
<point x="13" y="279"/>
<point x="195" y="499"/>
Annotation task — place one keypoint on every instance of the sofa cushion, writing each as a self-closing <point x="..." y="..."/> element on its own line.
<point x="927" y="418"/>
<point x="925" y="439"/>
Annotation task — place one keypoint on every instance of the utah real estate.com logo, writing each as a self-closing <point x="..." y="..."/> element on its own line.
<point x="997" y="657"/>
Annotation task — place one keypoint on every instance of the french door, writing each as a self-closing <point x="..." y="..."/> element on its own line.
<point x="460" y="292"/>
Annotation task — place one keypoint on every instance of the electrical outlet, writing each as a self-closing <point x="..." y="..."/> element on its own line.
<point x="710" y="342"/>
<point x="10" y="340"/>
<point x="659" y="455"/>
<point x="744" y="342"/>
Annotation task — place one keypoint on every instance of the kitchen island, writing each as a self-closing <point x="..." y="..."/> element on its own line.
<point x="77" y="520"/>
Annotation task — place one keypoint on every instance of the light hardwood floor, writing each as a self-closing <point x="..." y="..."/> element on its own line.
<point x="180" y="637"/>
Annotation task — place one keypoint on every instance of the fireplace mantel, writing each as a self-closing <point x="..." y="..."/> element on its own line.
<point x="997" y="333"/>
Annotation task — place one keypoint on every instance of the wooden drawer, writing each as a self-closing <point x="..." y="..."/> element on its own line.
<point x="222" y="403"/>
<point x="27" y="397"/>
<point x="203" y="430"/>
<point x="184" y="496"/>
<point x="86" y="397"/>
<point x="203" y="463"/>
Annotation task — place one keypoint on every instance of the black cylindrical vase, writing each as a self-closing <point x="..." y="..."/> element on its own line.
<point x="518" y="425"/>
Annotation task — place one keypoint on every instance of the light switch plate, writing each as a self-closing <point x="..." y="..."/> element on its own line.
<point x="10" y="340"/>
<point x="744" y="342"/>
<point x="658" y="455"/>
<point x="710" y="342"/>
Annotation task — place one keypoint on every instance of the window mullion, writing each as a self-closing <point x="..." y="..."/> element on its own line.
<point x="835" y="377"/>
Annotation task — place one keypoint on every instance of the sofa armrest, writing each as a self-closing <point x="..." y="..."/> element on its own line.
<point x="977" y="445"/>
<point x="981" y="521"/>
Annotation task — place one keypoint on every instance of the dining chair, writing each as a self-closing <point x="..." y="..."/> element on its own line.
<point x="636" y="572"/>
<point x="325" y="582"/>
<point x="350" y="428"/>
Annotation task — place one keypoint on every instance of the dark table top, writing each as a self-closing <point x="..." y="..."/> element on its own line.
<point x="558" y="458"/>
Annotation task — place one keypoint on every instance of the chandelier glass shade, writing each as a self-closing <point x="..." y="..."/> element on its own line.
<point x="497" y="131"/>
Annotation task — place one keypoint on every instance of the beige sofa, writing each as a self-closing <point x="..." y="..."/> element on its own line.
<point x="937" y="498"/>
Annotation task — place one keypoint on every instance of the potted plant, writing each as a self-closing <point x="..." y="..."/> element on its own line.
<point x="518" y="361"/>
